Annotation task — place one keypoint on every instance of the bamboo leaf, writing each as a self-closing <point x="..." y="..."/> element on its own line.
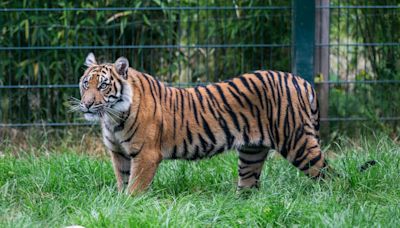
<point x="26" y="22"/>
<point x="36" y="70"/>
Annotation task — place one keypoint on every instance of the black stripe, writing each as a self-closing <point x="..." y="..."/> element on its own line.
<point x="120" y="126"/>
<point x="211" y="149"/>
<point x="249" y="103"/>
<point x="289" y="99"/>
<point x="249" y="162"/>
<point x="246" y="127"/>
<point x="133" y="154"/>
<point x="228" y="107"/>
<point x="196" y="153"/>
<point x="125" y="172"/>
<point x="185" y="149"/>
<point x="174" y="151"/>
<point x="142" y="84"/>
<point x="272" y="87"/>
<point x="189" y="133"/>
<point x="208" y="131"/>
<point x="214" y="100"/>
<point x="203" y="143"/>
<point x="110" y="140"/>
<point x="245" y="83"/>
<point x="258" y="92"/>
<point x="299" y="155"/>
<point x="121" y="154"/>
<point x="159" y="89"/>
<point x="237" y="98"/>
<point x="245" y="173"/>
<point x="299" y="93"/>
<point x="222" y="95"/>
<point x="234" y="119"/>
<point x="261" y="79"/>
<point x="182" y="106"/>
<point x="260" y="127"/>
<point x="174" y="113"/>
<point x="107" y="127"/>
<point x="228" y="135"/>
<point x="211" y="109"/>
<point x="199" y="96"/>
<point x="152" y="94"/>
<point x="131" y="135"/>
<point x="298" y="134"/>
<point x="189" y="100"/>
<point x="112" y="96"/>
<point x="248" y="175"/>
<point x="270" y="125"/>
<point x="171" y="98"/>
<point x="196" y="117"/>
<point x="251" y="150"/>
<point x="131" y="127"/>
<point x="165" y="94"/>
<point x="311" y="163"/>
<point x="220" y="150"/>
<point x="280" y="83"/>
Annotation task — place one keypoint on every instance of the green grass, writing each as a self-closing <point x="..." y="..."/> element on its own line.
<point x="60" y="187"/>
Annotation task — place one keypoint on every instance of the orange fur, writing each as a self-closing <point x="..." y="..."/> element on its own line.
<point x="251" y="113"/>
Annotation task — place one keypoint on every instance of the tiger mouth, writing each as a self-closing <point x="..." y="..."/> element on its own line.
<point x="92" y="117"/>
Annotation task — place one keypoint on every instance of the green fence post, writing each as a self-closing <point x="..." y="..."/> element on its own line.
<point x="303" y="32"/>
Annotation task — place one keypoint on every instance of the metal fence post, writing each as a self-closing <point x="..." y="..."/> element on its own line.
<point x="303" y="32"/>
<point x="322" y="61"/>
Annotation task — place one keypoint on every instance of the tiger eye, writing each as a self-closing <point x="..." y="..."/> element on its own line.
<point x="103" y="86"/>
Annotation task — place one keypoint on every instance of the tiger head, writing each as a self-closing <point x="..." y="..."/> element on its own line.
<point x="104" y="89"/>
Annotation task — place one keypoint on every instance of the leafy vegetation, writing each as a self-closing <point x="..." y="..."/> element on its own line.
<point x="184" y="43"/>
<point x="377" y="60"/>
<point x="56" y="186"/>
<point x="173" y="44"/>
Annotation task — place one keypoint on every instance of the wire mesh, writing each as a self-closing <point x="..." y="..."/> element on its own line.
<point x="185" y="43"/>
<point x="364" y="48"/>
<point x="181" y="43"/>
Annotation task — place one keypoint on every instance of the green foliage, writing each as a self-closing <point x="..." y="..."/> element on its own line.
<point x="160" y="42"/>
<point x="377" y="61"/>
<point x="65" y="188"/>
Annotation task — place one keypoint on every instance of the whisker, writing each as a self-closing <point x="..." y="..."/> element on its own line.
<point x="74" y="108"/>
<point x="73" y="100"/>
<point x="115" y="113"/>
<point x="112" y="115"/>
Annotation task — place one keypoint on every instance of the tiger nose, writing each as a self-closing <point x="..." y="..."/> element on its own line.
<point x="88" y="104"/>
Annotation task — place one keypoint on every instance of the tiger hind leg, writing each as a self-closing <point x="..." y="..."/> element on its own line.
<point x="251" y="161"/>
<point x="309" y="159"/>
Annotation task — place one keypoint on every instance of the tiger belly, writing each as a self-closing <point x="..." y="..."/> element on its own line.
<point x="199" y="146"/>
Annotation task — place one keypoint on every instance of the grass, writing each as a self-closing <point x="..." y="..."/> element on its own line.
<point x="58" y="187"/>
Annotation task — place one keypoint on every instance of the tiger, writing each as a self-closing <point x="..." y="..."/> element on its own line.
<point x="145" y="121"/>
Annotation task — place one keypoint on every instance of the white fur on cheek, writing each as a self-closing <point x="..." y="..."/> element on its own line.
<point x="126" y="102"/>
<point x="91" y="117"/>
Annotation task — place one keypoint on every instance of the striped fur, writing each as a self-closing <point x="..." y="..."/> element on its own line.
<point x="253" y="113"/>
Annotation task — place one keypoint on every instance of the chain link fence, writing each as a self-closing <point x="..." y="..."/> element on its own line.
<point x="184" y="43"/>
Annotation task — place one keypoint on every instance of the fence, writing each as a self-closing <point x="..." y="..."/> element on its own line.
<point x="43" y="45"/>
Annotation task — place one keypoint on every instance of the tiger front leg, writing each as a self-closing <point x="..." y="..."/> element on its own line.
<point x="122" y="168"/>
<point x="143" y="169"/>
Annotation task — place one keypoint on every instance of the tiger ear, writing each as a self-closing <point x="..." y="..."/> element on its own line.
<point x="122" y="65"/>
<point x="90" y="60"/>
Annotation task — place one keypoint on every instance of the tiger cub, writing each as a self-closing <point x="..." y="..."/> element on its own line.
<point x="144" y="121"/>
